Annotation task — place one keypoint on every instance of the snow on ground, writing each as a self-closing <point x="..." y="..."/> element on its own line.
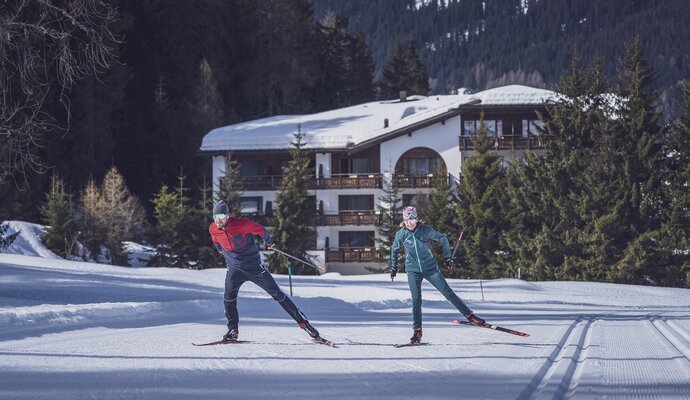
<point x="72" y="330"/>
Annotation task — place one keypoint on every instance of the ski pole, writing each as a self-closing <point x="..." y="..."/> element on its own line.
<point x="455" y="249"/>
<point x="300" y="260"/>
<point x="290" y="278"/>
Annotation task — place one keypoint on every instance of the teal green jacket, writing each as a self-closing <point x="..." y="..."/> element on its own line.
<point x="418" y="256"/>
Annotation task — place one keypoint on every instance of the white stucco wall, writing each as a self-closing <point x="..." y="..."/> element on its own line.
<point x="442" y="138"/>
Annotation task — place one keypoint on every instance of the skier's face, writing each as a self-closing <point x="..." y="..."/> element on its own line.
<point x="220" y="219"/>
<point x="411" y="224"/>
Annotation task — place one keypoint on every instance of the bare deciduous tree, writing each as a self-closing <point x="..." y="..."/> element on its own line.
<point x="45" y="46"/>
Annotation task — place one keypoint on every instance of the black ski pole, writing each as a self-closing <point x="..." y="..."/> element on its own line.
<point x="455" y="250"/>
<point x="298" y="259"/>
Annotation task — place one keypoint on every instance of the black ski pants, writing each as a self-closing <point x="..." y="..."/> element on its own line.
<point x="236" y="276"/>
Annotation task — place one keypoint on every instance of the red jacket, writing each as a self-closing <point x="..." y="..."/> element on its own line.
<point x="236" y="241"/>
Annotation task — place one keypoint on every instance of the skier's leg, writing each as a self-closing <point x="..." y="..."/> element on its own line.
<point x="436" y="278"/>
<point x="414" y="279"/>
<point x="265" y="281"/>
<point x="234" y="278"/>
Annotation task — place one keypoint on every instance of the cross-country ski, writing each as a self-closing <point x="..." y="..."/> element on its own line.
<point x="491" y="326"/>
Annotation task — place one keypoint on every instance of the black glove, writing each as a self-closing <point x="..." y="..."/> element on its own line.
<point x="448" y="263"/>
<point x="394" y="271"/>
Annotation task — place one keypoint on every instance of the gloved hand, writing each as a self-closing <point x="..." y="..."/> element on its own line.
<point x="448" y="263"/>
<point x="270" y="246"/>
<point x="394" y="271"/>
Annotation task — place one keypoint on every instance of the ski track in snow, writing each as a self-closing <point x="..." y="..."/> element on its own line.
<point x="71" y="330"/>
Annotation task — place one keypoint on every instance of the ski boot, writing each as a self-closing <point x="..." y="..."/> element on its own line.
<point x="416" y="336"/>
<point x="310" y="329"/>
<point x="232" y="335"/>
<point x="475" y="320"/>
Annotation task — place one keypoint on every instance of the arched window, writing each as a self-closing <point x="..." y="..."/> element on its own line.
<point x="420" y="161"/>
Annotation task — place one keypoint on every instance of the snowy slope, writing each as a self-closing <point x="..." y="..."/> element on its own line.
<point x="71" y="330"/>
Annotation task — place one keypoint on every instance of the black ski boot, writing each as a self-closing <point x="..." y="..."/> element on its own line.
<point x="475" y="320"/>
<point x="416" y="336"/>
<point x="310" y="329"/>
<point x="232" y="334"/>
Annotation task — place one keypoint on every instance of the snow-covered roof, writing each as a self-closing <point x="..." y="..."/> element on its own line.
<point x="349" y="126"/>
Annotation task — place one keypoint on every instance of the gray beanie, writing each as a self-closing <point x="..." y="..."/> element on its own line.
<point x="221" y="208"/>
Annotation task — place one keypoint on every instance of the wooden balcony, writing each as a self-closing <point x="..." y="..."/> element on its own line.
<point x="345" y="181"/>
<point x="412" y="181"/>
<point x="348" y="181"/>
<point x="364" y="218"/>
<point x="351" y="254"/>
<point x="507" y="142"/>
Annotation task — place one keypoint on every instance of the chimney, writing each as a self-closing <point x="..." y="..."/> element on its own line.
<point x="385" y="123"/>
<point x="403" y="96"/>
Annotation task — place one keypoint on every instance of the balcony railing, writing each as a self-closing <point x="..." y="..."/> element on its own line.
<point x="365" y="218"/>
<point x="412" y="181"/>
<point x="348" y="181"/>
<point x="344" y="181"/>
<point x="351" y="254"/>
<point x="507" y="142"/>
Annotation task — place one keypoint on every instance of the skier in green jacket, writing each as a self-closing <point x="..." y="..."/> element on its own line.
<point x="415" y="237"/>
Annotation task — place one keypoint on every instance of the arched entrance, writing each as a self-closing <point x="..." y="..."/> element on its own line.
<point x="419" y="167"/>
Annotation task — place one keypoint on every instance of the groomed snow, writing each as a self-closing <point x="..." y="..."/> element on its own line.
<point x="72" y="330"/>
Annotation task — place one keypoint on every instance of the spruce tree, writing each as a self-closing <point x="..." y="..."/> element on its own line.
<point x="230" y="186"/>
<point x="388" y="223"/>
<point x="440" y="214"/>
<point x="295" y="214"/>
<point x="168" y="211"/>
<point x="677" y="199"/>
<point x="480" y="209"/>
<point x="394" y="74"/>
<point x="58" y="215"/>
<point x="637" y="136"/>
<point x="198" y="235"/>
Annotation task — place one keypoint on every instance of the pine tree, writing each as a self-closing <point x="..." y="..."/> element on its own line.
<point x="122" y="215"/>
<point x="480" y="209"/>
<point x="440" y="214"/>
<point x="394" y="75"/>
<point x="58" y="216"/>
<point x="230" y="187"/>
<point x="207" y="255"/>
<point x="637" y="137"/>
<point x="389" y="210"/>
<point x="677" y="173"/>
<point x="167" y="212"/>
<point x="295" y="214"/>
<point x="417" y="73"/>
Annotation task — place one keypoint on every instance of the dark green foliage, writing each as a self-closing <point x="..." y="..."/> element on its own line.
<point x="403" y="71"/>
<point x="440" y="215"/>
<point x="230" y="189"/>
<point x="389" y="210"/>
<point x="58" y="216"/>
<point x="480" y="209"/>
<point x="295" y="213"/>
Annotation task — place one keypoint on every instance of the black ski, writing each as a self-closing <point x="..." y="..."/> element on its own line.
<point x="494" y="327"/>
<point x="410" y="344"/>
<point x="320" y="340"/>
<point x="221" y="342"/>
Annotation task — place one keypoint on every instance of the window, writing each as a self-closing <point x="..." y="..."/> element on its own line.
<point x="249" y="168"/>
<point x="532" y="127"/>
<point x="356" y="239"/>
<point x="418" y="166"/>
<point x="494" y="127"/>
<point x="355" y="203"/>
<point x="251" y="205"/>
<point x="362" y="165"/>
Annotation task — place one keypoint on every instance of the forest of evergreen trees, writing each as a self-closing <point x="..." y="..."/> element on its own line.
<point x="484" y="44"/>
<point x="114" y="152"/>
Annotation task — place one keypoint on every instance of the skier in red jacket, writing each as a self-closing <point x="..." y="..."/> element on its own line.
<point x="234" y="239"/>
